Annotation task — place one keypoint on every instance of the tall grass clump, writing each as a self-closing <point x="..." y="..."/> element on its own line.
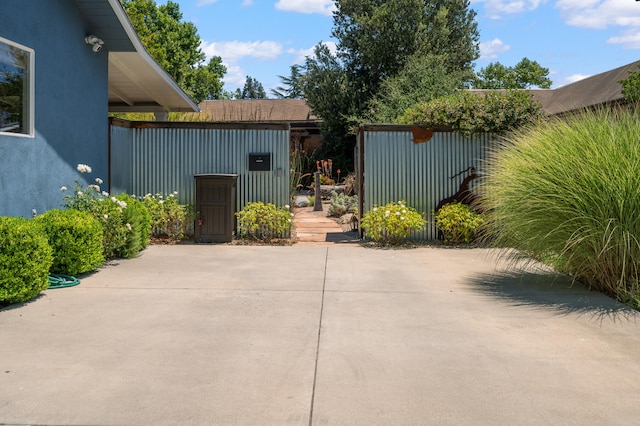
<point x="568" y="192"/>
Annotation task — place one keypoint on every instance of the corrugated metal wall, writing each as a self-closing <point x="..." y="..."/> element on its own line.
<point x="151" y="158"/>
<point x="397" y="169"/>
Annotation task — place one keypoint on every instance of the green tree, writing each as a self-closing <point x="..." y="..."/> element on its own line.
<point x="327" y="89"/>
<point x="376" y="38"/>
<point x="291" y="86"/>
<point x="423" y="79"/>
<point x="205" y="82"/>
<point x="524" y="75"/>
<point x="252" y="89"/>
<point x="631" y="86"/>
<point x="175" y="45"/>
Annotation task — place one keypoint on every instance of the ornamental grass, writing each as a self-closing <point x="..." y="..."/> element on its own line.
<point x="567" y="192"/>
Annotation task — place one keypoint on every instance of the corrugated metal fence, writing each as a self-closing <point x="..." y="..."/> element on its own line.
<point x="396" y="168"/>
<point x="155" y="157"/>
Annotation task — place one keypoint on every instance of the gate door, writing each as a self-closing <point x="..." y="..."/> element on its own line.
<point x="215" y="208"/>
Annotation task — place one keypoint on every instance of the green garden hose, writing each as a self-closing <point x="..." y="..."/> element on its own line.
<point x="62" y="281"/>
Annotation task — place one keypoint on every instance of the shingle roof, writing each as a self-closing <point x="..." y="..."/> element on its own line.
<point x="599" y="89"/>
<point x="258" y="110"/>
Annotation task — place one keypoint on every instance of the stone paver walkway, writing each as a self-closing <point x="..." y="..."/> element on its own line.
<point x="314" y="227"/>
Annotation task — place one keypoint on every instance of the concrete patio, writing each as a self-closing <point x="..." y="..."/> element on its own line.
<point x="320" y="335"/>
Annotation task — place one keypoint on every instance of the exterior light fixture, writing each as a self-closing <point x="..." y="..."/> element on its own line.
<point x="95" y="42"/>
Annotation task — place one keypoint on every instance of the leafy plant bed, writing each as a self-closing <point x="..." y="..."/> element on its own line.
<point x="413" y="244"/>
<point x="273" y="242"/>
<point x="168" y="241"/>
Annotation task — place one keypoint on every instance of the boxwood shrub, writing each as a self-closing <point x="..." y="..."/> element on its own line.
<point x="76" y="239"/>
<point x="25" y="259"/>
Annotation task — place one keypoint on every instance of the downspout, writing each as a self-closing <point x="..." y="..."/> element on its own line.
<point x="109" y="155"/>
<point x="360" y="179"/>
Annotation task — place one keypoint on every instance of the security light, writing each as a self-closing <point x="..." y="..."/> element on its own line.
<point x="95" y="42"/>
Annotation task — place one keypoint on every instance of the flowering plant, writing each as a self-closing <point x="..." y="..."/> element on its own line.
<point x="169" y="218"/>
<point x="392" y="223"/>
<point x="111" y="212"/>
<point x="263" y="222"/>
<point x="458" y="223"/>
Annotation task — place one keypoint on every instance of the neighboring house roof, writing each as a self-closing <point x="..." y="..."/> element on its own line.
<point x="136" y="82"/>
<point x="258" y="110"/>
<point x="600" y="89"/>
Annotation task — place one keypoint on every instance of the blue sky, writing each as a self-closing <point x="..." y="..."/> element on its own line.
<point x="572" y="38"/>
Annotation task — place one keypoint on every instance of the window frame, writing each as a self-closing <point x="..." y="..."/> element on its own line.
<point x="30" y="109"/>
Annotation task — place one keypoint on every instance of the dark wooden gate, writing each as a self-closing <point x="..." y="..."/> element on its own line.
<point x="215" y="207"/>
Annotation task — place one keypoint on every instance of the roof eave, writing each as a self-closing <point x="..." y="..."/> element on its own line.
<point x="186" y="103"/>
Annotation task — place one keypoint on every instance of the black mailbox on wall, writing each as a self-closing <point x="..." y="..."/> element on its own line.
<point x="260" y="162"/>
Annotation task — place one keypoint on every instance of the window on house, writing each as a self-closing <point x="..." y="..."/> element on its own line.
<point x="16" y="88"/>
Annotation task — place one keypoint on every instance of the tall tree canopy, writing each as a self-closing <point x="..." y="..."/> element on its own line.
<point x="524" y="75"/>
<point x="327" y="89"/>
<point x="291" y="86"/>
<point x="425" y="77"/>
<point x="252" y="90"/>
<point x="376" y="41"/>
<point x="376" y="38"/>
<point x="175" y="45"/>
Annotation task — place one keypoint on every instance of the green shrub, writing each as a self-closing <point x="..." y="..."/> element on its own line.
<point x="263" y="222"/>
<point x="392" y="223"/>
<point x="169" y="218"/>
<point x="128" y="222"/>
<point x="120" y="238"/>
<point x="25" y="259"/>
<point x="110" y="213"/>
<point x="568" y="190"/>
<point x="472" y="113"/>
<point x="342" y="204"/>
<point x="138" y="222"/>
<point x="76" y="240"/>
<point x="107" y="209"/>
<point x="458" y="223"/>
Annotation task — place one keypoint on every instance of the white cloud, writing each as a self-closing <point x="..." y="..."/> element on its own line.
<point x="233" y="51"/>
<point x="600" y="14"/>
<point x="575" y="77"/>
<point x="301" y="54"/>
<point x="247" y="3"/>
<point x="205" y="2"/>
<point x="496" y="8"/>
<point x="323" y="7"/>
<point x="489" y="50"/>
<point x="235" y="76"/>
<point x="628" y="40"/>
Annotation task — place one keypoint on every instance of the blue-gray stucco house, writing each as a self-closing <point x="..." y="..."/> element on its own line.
<point x="64" y="65"/>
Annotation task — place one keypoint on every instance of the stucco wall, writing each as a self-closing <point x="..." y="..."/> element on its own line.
<point x="71" y="104"/>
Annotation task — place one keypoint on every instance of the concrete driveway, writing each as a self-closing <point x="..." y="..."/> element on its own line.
<point x="320" y="335"/>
